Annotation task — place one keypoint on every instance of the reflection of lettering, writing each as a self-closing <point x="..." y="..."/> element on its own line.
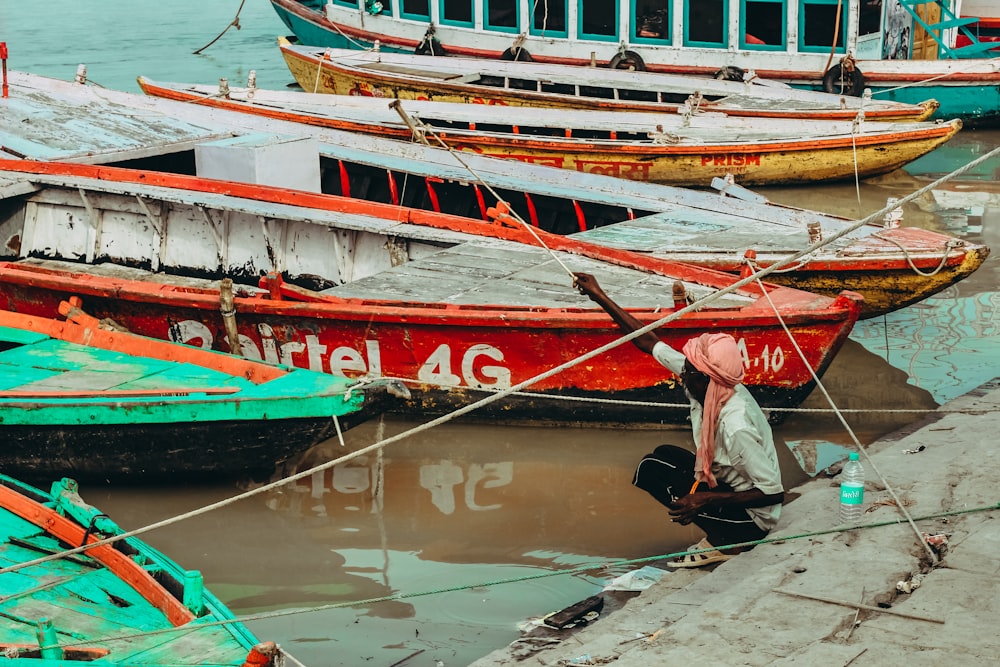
<point x="351" y="479"/>
<point x="442" y="478"/>
<point x="635" y="171"/>
<point x="491" y="476"/>
<point x="730" y="160"/>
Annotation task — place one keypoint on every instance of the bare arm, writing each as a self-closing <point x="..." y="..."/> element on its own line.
<point x="685" y="508"/>
<point x="588" y="285"/>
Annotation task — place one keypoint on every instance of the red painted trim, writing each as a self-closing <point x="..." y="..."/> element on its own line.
<point x="432" y="194"/>
<point x="532" y="211"/>
<point x="393" y="189"/>
<point x="481" y="201"/>
<point x="581" y="219"/>
<point x="345" y="180"/>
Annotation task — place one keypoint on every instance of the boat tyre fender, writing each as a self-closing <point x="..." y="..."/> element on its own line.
<point x="628" y="60"/>
<point x="518" y="54"/>
<point x="429" y="46"/>
<point x="730" y="73"/>
<point x="839" y="81"/>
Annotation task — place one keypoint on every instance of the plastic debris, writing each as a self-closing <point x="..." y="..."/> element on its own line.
<point x="937" y="542"/>
<point x="636" y="580"/>
<point x="911" y="584"/>
<point x="914" y="451"/>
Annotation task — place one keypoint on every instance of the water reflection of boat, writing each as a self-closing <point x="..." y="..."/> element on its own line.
<point x="500" y="495"/>
<point x="941" y="343"/>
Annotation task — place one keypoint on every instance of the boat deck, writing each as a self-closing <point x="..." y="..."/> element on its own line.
<point x="512" y="274"/>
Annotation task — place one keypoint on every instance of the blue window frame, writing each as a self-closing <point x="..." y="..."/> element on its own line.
<point x="348" y="3"/>
<point x="502" y="15"/>
<point x="651" y="22"/>
<point x="457" y="12"/>
<point x="548" y="18"/>
<point x="817" y="20"/>
<point x="598" y="19"/>
<point x="413" y="9"/>
<point x="763" y="25"/>
<point x="705" y="23"/>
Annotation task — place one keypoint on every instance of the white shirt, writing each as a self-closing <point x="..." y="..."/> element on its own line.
<point x="745" y="457"/>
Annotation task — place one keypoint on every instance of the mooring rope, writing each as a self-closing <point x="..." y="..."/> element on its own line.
<point x="847" y="427"/>
<point x="234" y="22"/>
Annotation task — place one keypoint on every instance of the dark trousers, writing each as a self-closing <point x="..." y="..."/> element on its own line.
<point x="668" y="473"/>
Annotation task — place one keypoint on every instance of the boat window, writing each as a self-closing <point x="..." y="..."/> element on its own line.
<point x="561" y="88"/>
<point x="457" y="12"/>
<point x="705" y="22"/>
<point x="522" y="84"/>
<point x="415" y="8"/>
<point x="344" y="3"/>
<point x="818" y="23"/>
<point x="763" y="24"/>
<point x="598" y="19"/>
<point x="502" y="15"/>
<point x="652" y="20"/>
<point x="598" y="91"/>
<point x="548" y="17"/>
<point x="870" y="17"/>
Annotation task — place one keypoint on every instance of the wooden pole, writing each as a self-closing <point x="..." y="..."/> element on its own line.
<point x="857" y="605"/>
<point x="228" y="307"/>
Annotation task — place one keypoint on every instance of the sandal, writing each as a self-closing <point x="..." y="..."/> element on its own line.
<point x="700" y="559"/>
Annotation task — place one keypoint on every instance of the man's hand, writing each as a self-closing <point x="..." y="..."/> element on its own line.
<point x="587" y="284"/>
<point x="686" y="508"/>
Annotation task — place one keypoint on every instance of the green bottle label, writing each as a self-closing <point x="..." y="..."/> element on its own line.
<point x="852" y="494"/>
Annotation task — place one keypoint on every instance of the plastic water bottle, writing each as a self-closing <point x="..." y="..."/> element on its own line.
<point x="852" y="489"/>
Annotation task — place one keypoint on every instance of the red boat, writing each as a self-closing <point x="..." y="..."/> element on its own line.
<point x="457" y="309"/>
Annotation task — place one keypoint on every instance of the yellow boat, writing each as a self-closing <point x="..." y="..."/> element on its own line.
<point x="674" y="149"/>
<point x="505" y="83"/>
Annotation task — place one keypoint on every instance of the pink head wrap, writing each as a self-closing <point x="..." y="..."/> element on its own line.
<point x="718" y="357"/>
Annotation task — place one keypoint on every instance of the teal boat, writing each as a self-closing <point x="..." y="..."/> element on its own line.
<point x="122" y="603"/>
<point x="92" y="403"/>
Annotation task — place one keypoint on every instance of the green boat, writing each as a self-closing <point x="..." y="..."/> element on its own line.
<point x="81" y="400"/>
<point x="120" y="603"/>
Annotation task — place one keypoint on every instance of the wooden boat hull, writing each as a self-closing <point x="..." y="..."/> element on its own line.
<point x="451" y="359"/>
<point x="464" y="80"/>
<point x="117" y="604"/>
<point x="965" y="87"/>
<point x="75" y="400"/>
<point x="668" y="158"/>
<point x="449" y="351"/>
<point x="892" y="267"/>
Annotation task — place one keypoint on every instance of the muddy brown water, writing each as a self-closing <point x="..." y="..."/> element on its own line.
<point x="436" y="519"/>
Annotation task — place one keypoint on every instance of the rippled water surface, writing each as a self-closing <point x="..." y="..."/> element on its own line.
<point x="439" y="517"/>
